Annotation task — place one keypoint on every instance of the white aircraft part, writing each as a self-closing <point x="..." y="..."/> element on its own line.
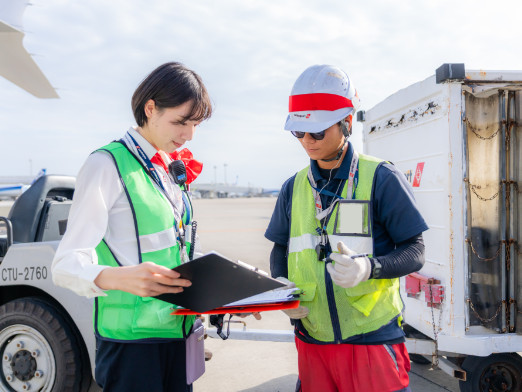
<point x="16" y="64"/>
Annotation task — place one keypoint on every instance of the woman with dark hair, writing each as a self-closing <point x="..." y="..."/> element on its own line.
<point x="129" y="225"/>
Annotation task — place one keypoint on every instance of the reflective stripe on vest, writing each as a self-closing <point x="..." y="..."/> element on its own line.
<point x="158" y="241"/>
<point x="310" y="241"/>
<point x="122" y="316"/>
<point x="361" y="309"/>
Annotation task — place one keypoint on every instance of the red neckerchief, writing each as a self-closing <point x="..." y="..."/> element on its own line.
<point x="158" y="160"/>
<point x="193" y="167"/>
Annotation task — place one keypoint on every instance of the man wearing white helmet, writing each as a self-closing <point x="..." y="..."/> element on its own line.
<point x="348" y="327"/>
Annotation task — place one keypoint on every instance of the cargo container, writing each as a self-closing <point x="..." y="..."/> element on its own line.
<point x="456" y="136"/>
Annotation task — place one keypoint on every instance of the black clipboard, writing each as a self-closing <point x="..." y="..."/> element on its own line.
<point x="217" y="281"/>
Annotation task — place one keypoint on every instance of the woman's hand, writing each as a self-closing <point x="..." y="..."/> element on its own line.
<point x="146" y="280"/>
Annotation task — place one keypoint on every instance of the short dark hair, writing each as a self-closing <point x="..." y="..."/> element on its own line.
<point x="172" y="84"/>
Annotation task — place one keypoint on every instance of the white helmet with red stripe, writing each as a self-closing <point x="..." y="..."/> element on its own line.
<point x="322" y="96"/>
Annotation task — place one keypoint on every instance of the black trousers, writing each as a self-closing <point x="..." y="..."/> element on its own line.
<point x="151" y="367"/>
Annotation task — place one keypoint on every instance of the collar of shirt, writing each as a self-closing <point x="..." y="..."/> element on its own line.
<point x="342" y="173"/>
<point x="147" y="148"/>
<point x="150" y="151"/>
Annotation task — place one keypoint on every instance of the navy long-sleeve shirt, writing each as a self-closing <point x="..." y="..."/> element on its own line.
<point x="397" y="227"/>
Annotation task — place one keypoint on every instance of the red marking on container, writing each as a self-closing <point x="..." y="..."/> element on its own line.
<point x="433" y="290"/>
<point x="413" y="284"/>
<point x="418" y="174"/>
<point x="433" y="294"/>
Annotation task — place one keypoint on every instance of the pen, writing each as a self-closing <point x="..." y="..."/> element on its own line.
<point x="329" y="260"/>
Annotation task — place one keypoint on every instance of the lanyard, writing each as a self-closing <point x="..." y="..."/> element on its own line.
<point x="153" y="173"/>
<point x="320" y="212"/>
<point x="148" y="163"/>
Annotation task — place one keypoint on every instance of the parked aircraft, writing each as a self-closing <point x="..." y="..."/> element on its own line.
<point x="13" y="189"/>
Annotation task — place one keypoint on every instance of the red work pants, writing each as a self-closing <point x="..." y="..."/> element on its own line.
<point x="350" y="367"/>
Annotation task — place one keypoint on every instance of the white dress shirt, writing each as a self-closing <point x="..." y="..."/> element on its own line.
<point x="100" y="209"/>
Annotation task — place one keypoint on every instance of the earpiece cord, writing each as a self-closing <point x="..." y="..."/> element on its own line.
<point x="330" y="178"/>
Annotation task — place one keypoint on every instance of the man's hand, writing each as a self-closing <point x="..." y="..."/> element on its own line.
<point x="297" y="313"/>
<point x="145" y="280"/>
<point x="348" y="272"/>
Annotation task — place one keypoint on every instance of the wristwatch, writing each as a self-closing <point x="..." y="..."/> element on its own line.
<point x="376" y="269"/>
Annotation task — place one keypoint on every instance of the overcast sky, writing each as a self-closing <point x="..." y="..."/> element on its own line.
<point x="248" y="52"/>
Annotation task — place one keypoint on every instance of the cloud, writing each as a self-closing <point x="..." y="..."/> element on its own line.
<point x="249" y="54"/>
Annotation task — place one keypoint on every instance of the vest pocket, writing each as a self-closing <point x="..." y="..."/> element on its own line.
<point x="306" y="299"/>
<point x="369" y="286"/>
<point x="309" y="290"/>
<point x="153" y="315"/>
<point x="365" y="295"/>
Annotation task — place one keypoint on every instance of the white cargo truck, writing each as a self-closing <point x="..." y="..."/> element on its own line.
<point x="457" y="138"/>
<point x="46" y="338"/>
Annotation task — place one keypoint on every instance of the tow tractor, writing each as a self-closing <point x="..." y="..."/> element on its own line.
<point x="46" y="339"/>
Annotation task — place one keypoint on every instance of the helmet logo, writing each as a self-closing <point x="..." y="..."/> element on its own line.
<point x="335" y="75"/>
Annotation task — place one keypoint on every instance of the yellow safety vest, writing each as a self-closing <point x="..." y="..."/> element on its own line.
<point x="360" y="309"/>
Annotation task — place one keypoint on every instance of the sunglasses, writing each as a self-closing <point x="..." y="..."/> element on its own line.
<point x="316" y="136"/>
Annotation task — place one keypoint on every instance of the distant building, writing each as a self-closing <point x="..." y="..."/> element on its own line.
<point x="224" y="190"/>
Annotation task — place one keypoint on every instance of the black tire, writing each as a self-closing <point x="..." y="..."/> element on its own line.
<point x="48" y="342"/>
<point x="498" y="372"/>
<point x="419" y="359"/>
<point x="413" y="333"/>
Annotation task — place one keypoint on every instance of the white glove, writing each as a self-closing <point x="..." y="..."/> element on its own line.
<point x="348" y="272"/>
<point x="299" y="312"/>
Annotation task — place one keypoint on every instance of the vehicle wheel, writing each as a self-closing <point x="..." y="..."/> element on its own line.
<point x="39" y="351"/>
<point x="413" y="333"/>
<point x="498" y="372"/>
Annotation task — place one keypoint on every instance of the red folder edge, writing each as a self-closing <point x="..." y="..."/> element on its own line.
<point x="241" y="309"/>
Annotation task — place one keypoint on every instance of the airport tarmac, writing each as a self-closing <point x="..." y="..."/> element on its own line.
<point x="5" y="206"/>
<point x="235" y="228"/>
